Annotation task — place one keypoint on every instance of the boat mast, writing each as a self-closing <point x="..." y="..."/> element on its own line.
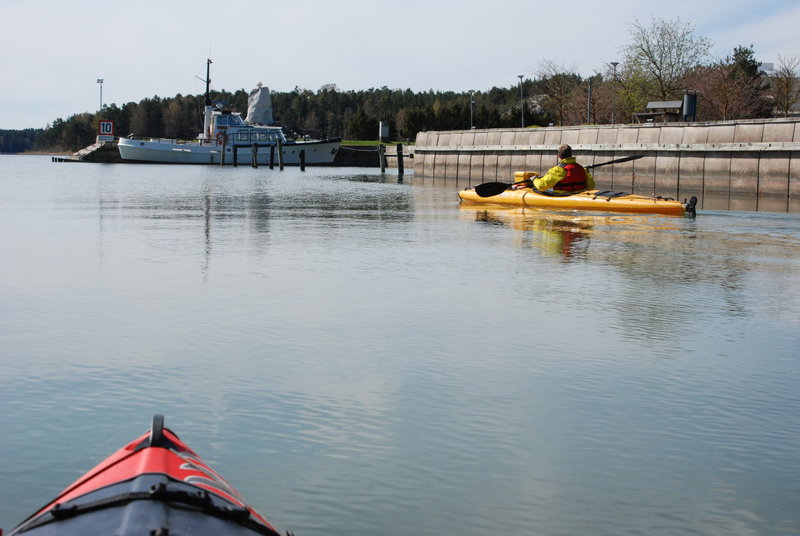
<point x="206" y="134"/>
<point x="208" y="82"/>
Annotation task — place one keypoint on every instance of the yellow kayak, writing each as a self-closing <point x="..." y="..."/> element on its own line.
<point x="589" y="200"/>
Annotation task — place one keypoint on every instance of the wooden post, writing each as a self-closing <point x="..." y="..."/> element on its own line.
<point x="280" y="154"/>
<point x="302" y="159"/>
<point x="400" y="159"/>
<point x="235" y="156"/>
<point x="222" y="151"/>
<point x="254" y="163"/>
<point x="271" y="157"/>
<point x="382" y="157"/>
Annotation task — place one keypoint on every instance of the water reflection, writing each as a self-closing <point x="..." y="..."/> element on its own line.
<point x="557" y="235"/>
<point x="216" y="215"/>
<point x="660" y="271"/>
<point x="567" y="235"/>
<point x="710" y="200"/>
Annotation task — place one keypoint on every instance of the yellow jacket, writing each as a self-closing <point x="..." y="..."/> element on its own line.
<point x="555" y="174"/>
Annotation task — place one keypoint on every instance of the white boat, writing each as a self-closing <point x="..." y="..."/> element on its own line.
<point x="227" y="136"/>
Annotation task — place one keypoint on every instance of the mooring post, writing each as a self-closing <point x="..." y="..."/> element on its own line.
<point x="400" y="159"/>
<point x="302" y="159"/>
<point x="235" y="156"/>
<point x="271" y="157"/>
<point x="382" y="157"/>
<point x="254" y="163"/>
<point x="222" y="151"/>
<point x="280" y="154"/>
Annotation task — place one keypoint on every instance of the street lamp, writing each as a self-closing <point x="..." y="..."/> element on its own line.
<point x="471" y="104"/>
<point x="614" y="94"/>
<point x="521" y="102"/>
<point x="589" y="103"/>
<point x="100" y="81"/>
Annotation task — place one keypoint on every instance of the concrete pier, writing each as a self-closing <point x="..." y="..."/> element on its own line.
<point x="743" y="165"/>
<point x="100" y="152"/>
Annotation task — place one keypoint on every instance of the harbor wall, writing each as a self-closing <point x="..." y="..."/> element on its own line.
<point x="368" y="156"/>
<point x="734" y="165"/>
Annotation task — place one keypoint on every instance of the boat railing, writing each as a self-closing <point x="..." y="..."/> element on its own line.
<point x="172" y="141"/>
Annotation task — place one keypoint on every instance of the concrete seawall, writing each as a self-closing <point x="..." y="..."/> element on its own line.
<point x="737" y="165"/>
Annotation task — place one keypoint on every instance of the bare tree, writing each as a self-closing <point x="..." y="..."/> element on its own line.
<point x="785" y="86"/>
<point x="727" y="92"/>
<point x="661" y="54"/>
<point x="603" y="99"/>
<point x="560" y="84"/>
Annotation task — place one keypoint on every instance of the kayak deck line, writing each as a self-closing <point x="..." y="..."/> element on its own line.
<point x="156" y="484"/>
<point x="158" y="492"/>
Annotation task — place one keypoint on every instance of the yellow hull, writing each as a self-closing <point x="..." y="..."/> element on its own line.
<point x="590" y="200"/>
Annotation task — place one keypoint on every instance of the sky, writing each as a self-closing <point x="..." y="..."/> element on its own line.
<point x="55" y="50"/>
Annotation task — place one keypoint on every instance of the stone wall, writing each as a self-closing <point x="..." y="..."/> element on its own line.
<point x="753" y="160"/>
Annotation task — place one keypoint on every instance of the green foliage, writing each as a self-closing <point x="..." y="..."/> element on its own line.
<point x="18" y="141"/>
<point x="360" y="127"/>
<point x="745" y="63"/>
<point x="636" y="91"/>
<point x="70" y="135"/>
<point x="660" y="55"/>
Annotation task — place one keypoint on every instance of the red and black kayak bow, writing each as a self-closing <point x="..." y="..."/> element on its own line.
<point x="155" y="485"/>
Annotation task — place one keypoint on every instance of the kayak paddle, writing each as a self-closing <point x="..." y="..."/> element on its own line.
<point x="488" y="189"/>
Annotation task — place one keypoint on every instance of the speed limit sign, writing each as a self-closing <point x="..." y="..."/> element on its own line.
<point x="105" y="130"/>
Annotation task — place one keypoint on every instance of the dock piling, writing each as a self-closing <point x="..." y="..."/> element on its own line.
<point x="400" y="159"/>
<point x="382" y="157"/>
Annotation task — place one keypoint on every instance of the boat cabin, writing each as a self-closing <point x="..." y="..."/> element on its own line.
<point x="229" y="127"/>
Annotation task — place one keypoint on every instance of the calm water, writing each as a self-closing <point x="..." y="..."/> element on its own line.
<point x="359" y="355"/>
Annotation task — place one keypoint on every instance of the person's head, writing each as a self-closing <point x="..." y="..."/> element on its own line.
<point x="565" y="151"/>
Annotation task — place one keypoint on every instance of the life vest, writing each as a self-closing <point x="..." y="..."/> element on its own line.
<point x="575" y="181"/>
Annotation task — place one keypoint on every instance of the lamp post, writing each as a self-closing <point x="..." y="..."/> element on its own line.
<point x="100" y="81"/>
<point x="521" y="102"/>
<point x="471" y="104"/>
<point x="614" y="94"/>
<point x="589" y="103"/>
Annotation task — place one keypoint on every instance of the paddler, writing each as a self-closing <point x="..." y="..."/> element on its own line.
<point x="568" y="177"/>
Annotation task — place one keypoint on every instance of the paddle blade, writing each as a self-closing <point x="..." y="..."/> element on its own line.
<point x="488" y="189"/>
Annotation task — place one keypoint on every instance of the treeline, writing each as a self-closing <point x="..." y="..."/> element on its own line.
<point x="663" y="60"/>
<point x="328" y="112"/>
<point x="19" y="141"/>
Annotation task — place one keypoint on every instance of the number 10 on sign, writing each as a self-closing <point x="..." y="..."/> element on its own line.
<point x="105" y="128"/>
